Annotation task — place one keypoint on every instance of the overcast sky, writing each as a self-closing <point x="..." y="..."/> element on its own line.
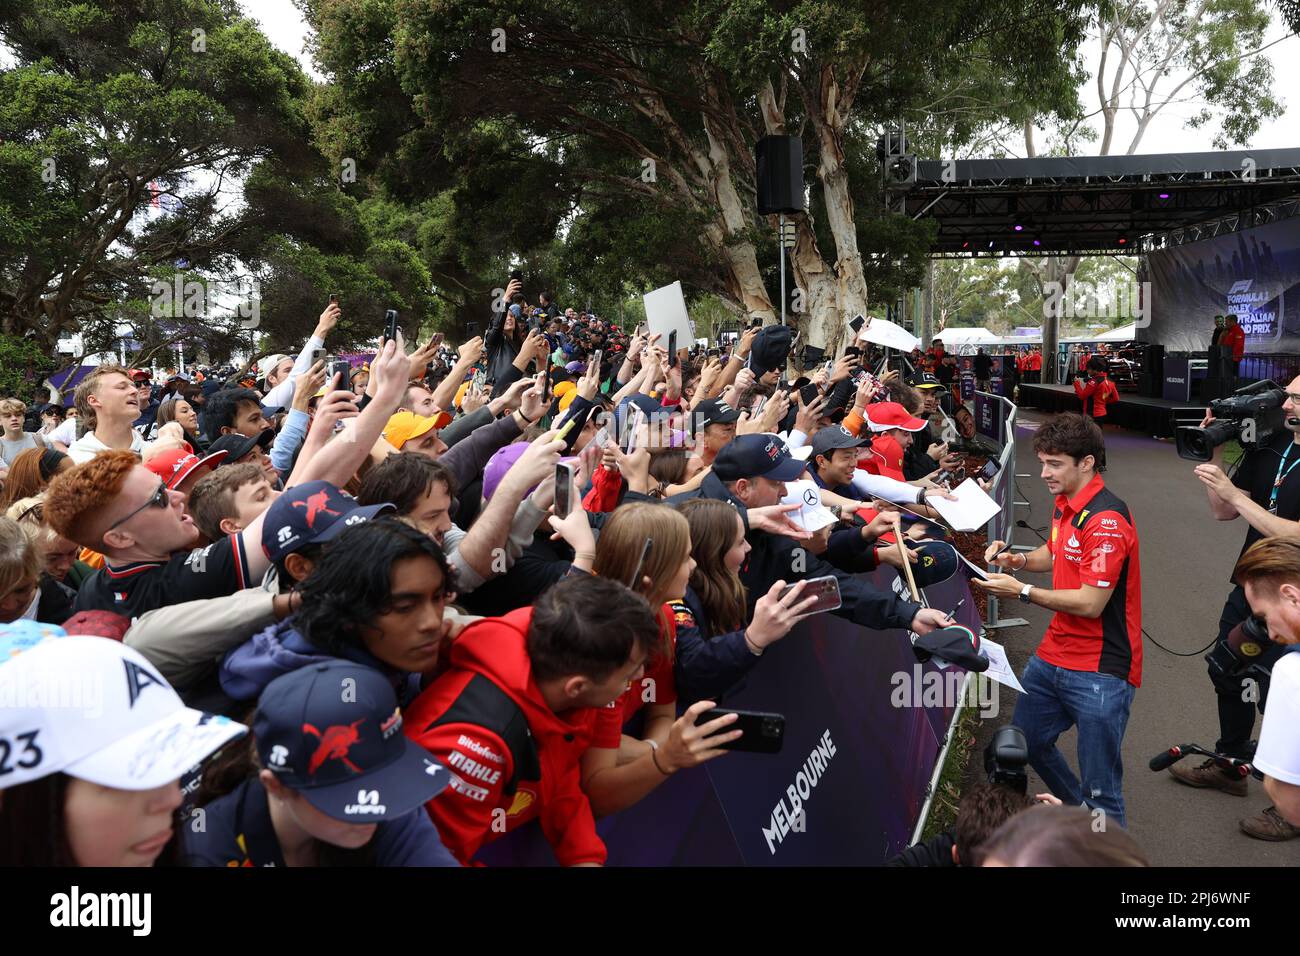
<point x="283" y="24"/>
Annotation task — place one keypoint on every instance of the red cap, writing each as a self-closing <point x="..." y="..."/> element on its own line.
<point x="176" y="465"/>
<point x="883" y="416"/>
<point x="139" y="373"/>
<point x="98" y="624"/>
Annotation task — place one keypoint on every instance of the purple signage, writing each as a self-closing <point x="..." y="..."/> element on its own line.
<point x="861" y="741"/>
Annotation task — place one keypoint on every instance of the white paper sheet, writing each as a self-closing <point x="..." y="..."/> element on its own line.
<point x="999" y="667"/>
<point x="972" y="509"/>
<point x="665" y="312"/>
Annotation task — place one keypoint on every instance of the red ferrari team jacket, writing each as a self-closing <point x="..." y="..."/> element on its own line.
<point x="1100" y="391"/>
<point x="511" y="758"/>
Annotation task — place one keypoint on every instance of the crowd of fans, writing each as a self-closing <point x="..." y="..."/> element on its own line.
<point x="388" y="619"/>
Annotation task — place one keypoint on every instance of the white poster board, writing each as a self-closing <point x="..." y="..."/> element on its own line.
<point x="665" y="312"/>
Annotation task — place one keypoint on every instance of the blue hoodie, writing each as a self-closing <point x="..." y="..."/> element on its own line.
<point x="280" y="648"/>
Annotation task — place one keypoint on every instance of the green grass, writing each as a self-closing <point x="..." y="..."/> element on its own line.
<point x="943" y="809"/>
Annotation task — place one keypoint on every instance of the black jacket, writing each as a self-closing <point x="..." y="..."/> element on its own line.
<point x="775" y="558"/>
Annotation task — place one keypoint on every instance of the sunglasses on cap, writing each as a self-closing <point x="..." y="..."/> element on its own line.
<point x="160" y="499"/>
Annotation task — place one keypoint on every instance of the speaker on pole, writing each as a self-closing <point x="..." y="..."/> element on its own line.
<point x="780" y="175"/>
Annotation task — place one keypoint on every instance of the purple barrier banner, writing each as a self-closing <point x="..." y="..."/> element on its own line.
<point x="864" y="722"/>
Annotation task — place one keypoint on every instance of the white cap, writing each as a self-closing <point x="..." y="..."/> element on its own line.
<point x="97" y="710"/>
<point x="812" y="514"/>
<point x="268" y="364"/>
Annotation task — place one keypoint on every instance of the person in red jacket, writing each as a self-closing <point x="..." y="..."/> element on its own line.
<point x="1099" y="390"/>
<point x="1232" y="345"/>
<point x="525" y="696"/>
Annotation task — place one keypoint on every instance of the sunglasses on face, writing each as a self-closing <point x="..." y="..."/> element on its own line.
<point x="160" y="499"/>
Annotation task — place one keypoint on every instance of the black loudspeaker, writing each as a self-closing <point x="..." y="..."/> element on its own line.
<point x="780" y="174"/>
<point x="1153" y="371"/>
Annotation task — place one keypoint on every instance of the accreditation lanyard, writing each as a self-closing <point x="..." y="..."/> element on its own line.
<point x="1281" y="477"/>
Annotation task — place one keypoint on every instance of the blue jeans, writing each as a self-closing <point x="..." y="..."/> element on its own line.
<point x="1056" y="699"/>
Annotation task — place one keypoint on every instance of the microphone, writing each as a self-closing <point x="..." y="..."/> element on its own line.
<point x="1166" y="759"/>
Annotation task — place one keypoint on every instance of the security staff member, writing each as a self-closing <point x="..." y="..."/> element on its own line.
<point x="1265" y="490"/>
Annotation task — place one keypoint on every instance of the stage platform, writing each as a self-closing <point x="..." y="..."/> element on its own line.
<point x="1152" y="416"/>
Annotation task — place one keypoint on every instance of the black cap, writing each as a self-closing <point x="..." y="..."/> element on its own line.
<point x="956" y="645"/>
<point x="827" y="439"/>
<point x="925" y="380"/>
<point x="713" y="412"/>
<point x="240" y="445"/>
<point x="756" y="456"/>
<point x="333" y="733"/>
<point x="770" y="349"/>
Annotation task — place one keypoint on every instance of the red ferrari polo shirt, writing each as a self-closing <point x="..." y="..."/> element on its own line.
<point x="1094" y="542"/>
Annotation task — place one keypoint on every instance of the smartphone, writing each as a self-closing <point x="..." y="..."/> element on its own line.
<point x="436" y="340"/>
<point x="517" y="275"/>
<point x="546" y="380"/>
<point x="757" y="408"/>
<point x="480" y="377"/>
<point x="809" y="393"/>
<point x="645" y="553"/>
<point x="563" y="489"/>
<point x="712" y="353"/>
<point x="633" y="423"/>
<point x="338" y="367"/>
<point x="757" y="323"/>
<point x="830" y="367"/>
<point x="672" y="349"/>
<point x="990" y="469"/>
<point x="334" y="297"/>
<point x="856" y="323"/>
<point x="826" y="589"/>
<point x="596" y="357"/>
<point x="319" y="355"/>
<point x="761" y="733"/>
<point x="390" y="325"/>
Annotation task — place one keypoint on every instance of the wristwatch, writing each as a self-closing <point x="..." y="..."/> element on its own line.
<point x="1024" y="593"/>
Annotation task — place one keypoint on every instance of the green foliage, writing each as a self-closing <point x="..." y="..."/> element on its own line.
<point x="23" y="366"/>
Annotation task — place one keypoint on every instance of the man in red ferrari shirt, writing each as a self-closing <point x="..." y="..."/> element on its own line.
<point x="524" y="698"/>
<point x="1232" y="345"/>
<point x="1089" y="664"/>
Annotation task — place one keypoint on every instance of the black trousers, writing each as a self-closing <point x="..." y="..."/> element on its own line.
<point x="1238" y="699"/>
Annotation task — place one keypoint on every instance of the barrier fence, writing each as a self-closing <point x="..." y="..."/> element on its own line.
<point x="995" y="418"/>
<point x="865" y="727"/>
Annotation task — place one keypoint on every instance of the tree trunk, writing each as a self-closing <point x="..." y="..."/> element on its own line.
<point x="851" y="287"/>
<point x="1058" y="270"/>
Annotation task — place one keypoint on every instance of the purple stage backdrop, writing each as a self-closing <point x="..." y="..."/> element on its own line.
<point x="1253" y="274"/>
<point x="847" y="786"/>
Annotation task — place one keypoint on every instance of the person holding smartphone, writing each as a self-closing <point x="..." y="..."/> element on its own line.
<point x="649" y="546"/>
<point x="717" y="641"/>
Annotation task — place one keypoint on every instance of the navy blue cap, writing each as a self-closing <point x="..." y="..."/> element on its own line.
<point x="651" y="407"/>
<point x="311" y="513"/>
<point x="332" y="731"/>
<point x="756" y="456"/>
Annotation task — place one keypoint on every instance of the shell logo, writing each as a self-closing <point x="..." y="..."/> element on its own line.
<point x="523" y="800"/>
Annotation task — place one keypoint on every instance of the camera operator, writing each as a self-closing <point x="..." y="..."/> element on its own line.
<point x="1265" y="491"/>
<point x="1269" y="573"/>
<point x="984" y="807"/>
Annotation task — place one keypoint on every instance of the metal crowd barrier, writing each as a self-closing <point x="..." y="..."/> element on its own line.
<point x="1002" y="526"/>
